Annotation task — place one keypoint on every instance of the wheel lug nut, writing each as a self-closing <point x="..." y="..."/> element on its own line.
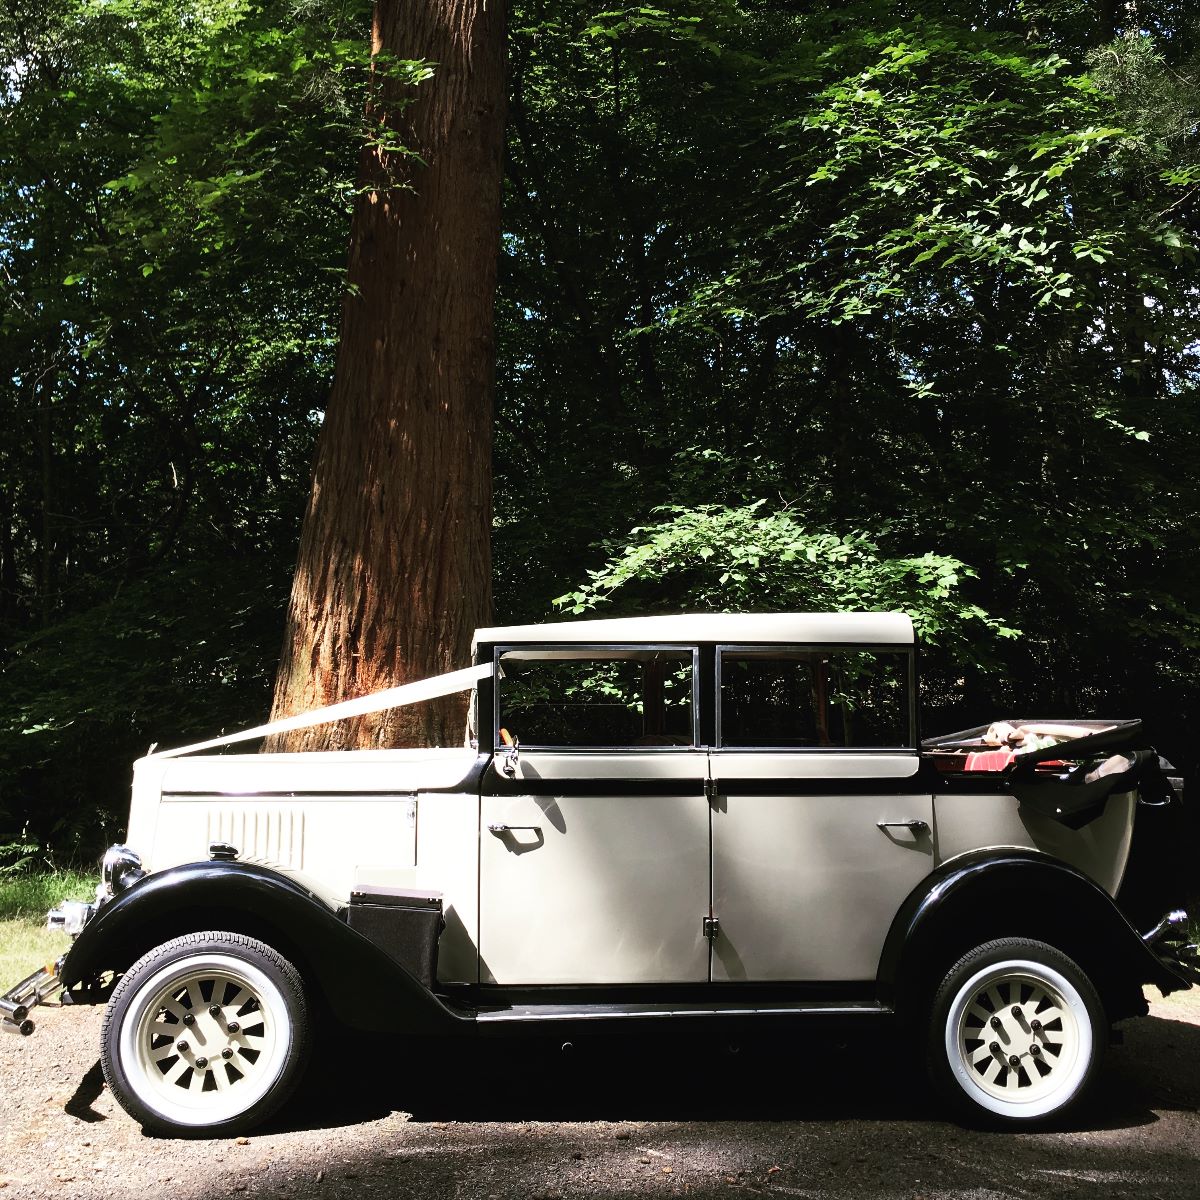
<point x="994" y="1047"/>
<point x="1016" y="1011"/>
<point x="1035" y="1025"/>
<point x="214" y="1010"/>
<point x="1035" y="1049"/>
<point x="1013" y="1061"/>
<point x="201" y="1063"/>
<point x="233" y="1027"/>
<point x="227" y="1053"/>
<point x="181" y="1046"/>
<point x="995" y="1023"/>
<point x="189" y="1019"/>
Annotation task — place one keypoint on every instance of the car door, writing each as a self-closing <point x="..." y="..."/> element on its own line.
<point x="818" y="831"/>
<point x="594" y="830"/>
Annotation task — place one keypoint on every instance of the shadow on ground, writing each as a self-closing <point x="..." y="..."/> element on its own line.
<point x="868" y="1075"/>
<point x="615" y="1118"/>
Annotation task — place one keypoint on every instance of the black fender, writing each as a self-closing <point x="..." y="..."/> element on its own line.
<point x="1013" y="892"/>
<point x="361" y="985"/>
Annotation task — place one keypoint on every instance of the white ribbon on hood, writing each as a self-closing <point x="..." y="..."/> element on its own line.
<point x="397" y="697"/>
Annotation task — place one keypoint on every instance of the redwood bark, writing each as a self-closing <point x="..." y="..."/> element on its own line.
<point x="394" y="567"/>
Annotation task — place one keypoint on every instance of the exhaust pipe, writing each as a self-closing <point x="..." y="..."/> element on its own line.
<point x="14" y="1017"/>
<point x="16" y="1003"/>
<point x="13" y="1011"/>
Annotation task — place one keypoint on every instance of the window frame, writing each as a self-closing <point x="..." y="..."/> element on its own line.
<point x="907" y="651"/>
<point x="584" y="649"/>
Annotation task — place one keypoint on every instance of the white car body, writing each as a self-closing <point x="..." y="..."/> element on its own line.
<point x="804" y="885"/>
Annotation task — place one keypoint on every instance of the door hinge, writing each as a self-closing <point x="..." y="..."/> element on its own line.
<point x="712" y="927"/>
<point x="710" y="790"/>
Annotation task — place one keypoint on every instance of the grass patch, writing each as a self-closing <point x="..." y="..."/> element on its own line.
<point x="25" y="946"/>
<point x="25" y="898"/>
<point x="30" y="895"/>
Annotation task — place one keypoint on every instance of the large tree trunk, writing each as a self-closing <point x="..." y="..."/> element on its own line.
<point x="394" y="568"/>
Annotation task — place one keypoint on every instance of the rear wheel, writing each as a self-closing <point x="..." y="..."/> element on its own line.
<point x="1017" y="1033"/>
<point x="206" y="1034"/>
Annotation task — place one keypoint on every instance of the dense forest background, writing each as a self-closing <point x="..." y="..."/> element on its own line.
<point x="877" y="304"/>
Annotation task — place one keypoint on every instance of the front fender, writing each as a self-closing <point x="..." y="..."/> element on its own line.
<point x="361" y="984"/>
<point x="1013" y="892"/>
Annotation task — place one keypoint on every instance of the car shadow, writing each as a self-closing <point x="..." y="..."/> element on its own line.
<point x="869" y="1075"/>
<point x="1156" y="1067"/>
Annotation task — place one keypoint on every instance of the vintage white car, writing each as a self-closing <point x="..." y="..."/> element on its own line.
<point x="661" y="823"/>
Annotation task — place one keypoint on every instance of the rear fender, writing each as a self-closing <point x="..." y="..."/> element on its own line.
<point x="361" y="985"/>
<point x="1016" y="893"/>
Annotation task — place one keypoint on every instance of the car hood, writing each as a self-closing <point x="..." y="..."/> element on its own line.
<point x="320" y="772"/>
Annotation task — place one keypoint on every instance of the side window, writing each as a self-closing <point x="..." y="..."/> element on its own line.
<point x="595" y="698"/>
<point x="813" y="699"/>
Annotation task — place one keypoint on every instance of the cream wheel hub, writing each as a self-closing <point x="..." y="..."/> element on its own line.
<point x="1018" y="1038"/>
<point x="205" y="1038"/>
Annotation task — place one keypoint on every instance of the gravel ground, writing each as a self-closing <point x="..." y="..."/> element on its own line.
<point x="610" y="1119"/>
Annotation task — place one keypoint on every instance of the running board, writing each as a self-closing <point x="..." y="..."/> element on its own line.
<point x="536" y="1013"/>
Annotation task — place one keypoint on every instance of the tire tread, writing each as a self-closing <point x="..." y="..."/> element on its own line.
<point x="207" y="940"/>
<point x="937" y="1067"/>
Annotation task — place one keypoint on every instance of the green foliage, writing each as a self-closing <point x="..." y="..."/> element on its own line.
<point x="176" y="654"/>
<point x="913" y="127"/>
<point x="18" y="855"/>
<point x="745" y="558"/>
<point x="921" y="273"/>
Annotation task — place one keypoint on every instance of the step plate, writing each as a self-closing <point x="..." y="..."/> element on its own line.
<point x="612" y="1012"/>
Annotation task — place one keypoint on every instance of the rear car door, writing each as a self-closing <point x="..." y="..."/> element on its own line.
<point x="818" y="829"/>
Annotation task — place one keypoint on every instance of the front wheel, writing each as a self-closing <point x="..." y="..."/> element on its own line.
<point x="206" y="1034"/>
<point x="1017" y="1033"/>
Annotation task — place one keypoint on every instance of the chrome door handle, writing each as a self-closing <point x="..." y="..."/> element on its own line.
<point x="500" y="830"/>
<point x="913" y="826"/>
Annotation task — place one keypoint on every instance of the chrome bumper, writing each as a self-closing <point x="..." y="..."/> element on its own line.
<point x="29" y="993"/>
<point x="1168" y="940"/>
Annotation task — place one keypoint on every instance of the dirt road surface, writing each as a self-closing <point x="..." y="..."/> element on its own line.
<point x="610" y="1119"/>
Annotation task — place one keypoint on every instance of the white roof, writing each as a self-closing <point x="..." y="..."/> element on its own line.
<point x="887" y="628"/>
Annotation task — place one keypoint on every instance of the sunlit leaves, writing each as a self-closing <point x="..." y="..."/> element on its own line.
<point x="749" y="557"/>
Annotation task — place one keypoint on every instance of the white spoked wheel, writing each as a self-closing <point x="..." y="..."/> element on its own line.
<point x="1017" y="1031"/>
<point x="206" y="1033"/>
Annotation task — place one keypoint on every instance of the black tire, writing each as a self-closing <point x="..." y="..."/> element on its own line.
<point x="206" y="1035"/>
<point x="994" y="1006"/>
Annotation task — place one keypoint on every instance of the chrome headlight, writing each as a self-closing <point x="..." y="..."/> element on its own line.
<point x="121" y="869"/>
<point x="70" y="917"/>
